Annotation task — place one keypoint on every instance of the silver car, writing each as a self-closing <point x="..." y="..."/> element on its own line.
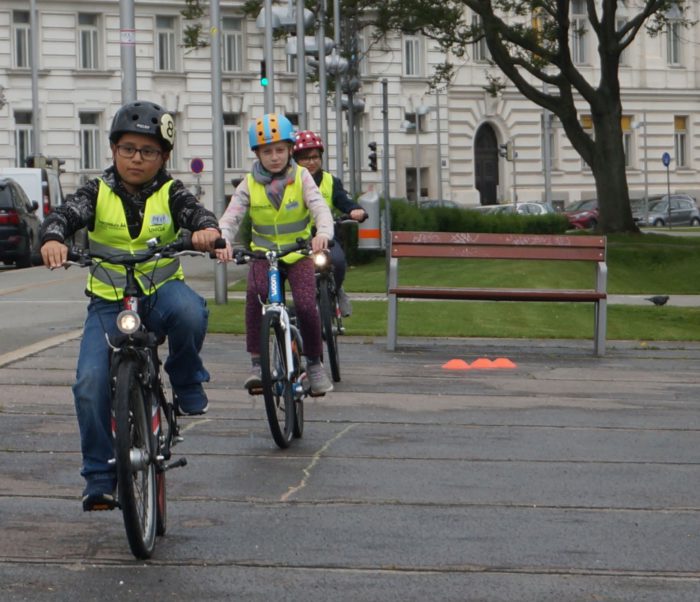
<point x="680" y="211"/>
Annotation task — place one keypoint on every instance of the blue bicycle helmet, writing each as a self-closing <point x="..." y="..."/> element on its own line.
<point x="270" y="128"/>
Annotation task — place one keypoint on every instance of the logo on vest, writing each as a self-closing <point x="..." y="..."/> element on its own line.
<point x="292" y="205"/>
<point x="160" y="220"/>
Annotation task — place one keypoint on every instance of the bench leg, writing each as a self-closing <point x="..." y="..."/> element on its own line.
<point x="391" y="323"/>
<point x="600" y="321"/>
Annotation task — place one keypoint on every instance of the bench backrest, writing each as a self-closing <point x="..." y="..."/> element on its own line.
<point x="497" y="246"/>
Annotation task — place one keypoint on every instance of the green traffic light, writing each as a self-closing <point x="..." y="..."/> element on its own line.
<point x="264" y="81"/>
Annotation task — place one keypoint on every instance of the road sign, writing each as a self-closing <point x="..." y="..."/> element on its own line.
<point x="197" y="165"/>
<point x="666" y="158"/>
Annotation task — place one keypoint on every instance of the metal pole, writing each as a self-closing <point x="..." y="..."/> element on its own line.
<point x="515" y="174"/>
<point x="127" y="43"/>
<point x="439" y="143"/>
<point x="646" y="171"/>
<point x="351" y="143"/>
<point x="322" y="80"/>
<point x="338" y="96"/>
<point x="269" y="98"/>
<point x="547" y="151"/>
<point x="418" y="182"/>
<point x="36" y="121"/>
<point x="385" y="175"/>
<point x="301" y="65"/>
<point x="219" y="202"/>
<point x="668" y="201"/>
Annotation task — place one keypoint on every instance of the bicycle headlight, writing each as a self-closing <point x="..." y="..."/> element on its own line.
<point x="321" y="259"/>
<point x="128" y="322"/>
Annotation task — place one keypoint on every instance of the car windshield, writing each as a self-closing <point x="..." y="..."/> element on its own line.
<point x="657" y="206"/>
<point x="583" y="205"/>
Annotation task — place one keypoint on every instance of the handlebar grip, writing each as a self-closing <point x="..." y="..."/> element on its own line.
<point x="220" y="243"/>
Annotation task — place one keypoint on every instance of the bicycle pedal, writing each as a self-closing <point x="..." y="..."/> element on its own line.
<point x="312" y="394"/>
<point x="255" y="391"/>
<point x="176" y="464"/>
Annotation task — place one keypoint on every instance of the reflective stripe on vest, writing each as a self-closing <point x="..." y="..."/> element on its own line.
<point x="111" y="238"/>
<point x="278" y="229"/>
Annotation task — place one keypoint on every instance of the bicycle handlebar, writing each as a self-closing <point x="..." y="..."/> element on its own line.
<point x="241" y="255"/>
<point x="178" y="248"/>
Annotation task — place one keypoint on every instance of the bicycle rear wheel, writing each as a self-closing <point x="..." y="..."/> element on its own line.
<point x="299" y="381"/>
<point x="328" y="306"/>
<point x="276" y="385"/>
<point x="134" y="450"/>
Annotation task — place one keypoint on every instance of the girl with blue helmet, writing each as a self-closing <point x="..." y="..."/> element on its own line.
<point x="284" y="202"/>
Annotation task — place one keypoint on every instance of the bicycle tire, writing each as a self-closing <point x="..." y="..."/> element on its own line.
<point x="276" y="385"/>
<point x="299" y="380"/>
<point x="134" y="451"/>
<point x="327" y="308"/>
<point x="161" y="490"/>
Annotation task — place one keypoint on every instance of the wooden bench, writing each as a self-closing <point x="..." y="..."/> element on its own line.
<point x="455" y="245"/>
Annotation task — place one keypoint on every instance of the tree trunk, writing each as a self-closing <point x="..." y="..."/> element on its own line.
<point x="609" y="172"/>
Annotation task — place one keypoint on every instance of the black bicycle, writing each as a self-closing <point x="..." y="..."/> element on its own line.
<point x="284" y="381"/>
<point x="329" y="309"/>
<point x="143" y="441"/>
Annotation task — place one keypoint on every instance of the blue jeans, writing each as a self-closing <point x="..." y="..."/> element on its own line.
<point x="174" y="310"/>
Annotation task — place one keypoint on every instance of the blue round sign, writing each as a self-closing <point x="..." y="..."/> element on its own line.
<point x="197" y="165"/>
<point x="666" y="158"/>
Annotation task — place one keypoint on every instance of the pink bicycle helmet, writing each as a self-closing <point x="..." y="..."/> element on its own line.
<point x="307" y="140"/>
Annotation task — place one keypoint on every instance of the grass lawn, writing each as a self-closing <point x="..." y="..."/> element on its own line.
<point x="648" y="264"/>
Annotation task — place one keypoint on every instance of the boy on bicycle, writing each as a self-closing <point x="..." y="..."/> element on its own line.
<point x="282" y="198"/>
<point x="308" y="152"/>
<point x="134" y="201"/>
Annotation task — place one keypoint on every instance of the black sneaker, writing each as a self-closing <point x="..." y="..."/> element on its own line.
<point x="95" y="502"/>
<point x="190" y="400"/>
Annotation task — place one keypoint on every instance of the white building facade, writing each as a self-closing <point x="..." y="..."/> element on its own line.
<point x="460" y="131"/>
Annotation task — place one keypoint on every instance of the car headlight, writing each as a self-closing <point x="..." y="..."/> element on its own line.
<point x="128" y="322"/>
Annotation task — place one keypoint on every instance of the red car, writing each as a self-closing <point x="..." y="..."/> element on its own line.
<point x="583" y="214"/>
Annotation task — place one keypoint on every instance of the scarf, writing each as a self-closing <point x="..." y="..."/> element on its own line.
<point x="274" y="183"/>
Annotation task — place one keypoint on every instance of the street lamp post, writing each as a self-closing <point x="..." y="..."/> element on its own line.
<point x="643" y="125"/>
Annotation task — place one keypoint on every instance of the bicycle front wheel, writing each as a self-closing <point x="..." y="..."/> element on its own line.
<point x="327" y="305"/>
<point x="136" y="470"/>
<point x="276" y="385"/>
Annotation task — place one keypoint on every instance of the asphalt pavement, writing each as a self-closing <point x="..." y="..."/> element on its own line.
<point x="561" y="477"/>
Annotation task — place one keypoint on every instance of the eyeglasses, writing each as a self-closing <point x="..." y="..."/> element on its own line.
<point x="309" y="158"/>
<point x="147" y="153"/>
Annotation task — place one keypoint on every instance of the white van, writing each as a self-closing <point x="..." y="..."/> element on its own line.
<point x="41" y="185"/>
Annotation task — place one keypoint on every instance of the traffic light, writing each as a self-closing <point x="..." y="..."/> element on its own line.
<point x="372" y="156"/>
<point x="263" y="74"/>
<point x="506" y="151"/>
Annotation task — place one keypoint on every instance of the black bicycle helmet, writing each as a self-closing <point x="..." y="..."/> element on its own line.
<point x="143" y="117"/>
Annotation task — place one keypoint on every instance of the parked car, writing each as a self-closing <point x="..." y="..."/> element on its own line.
<point x="524" y="208"/>
<point x="437" y="203"/>
<point x="41" y="185"/>
<point x="683" y="211"/>
<point x="19" y="225"/>
<point x="582" y="214"/>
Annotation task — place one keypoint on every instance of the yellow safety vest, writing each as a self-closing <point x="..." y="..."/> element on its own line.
<point x="326" y="188"/>
<point x="111" y="237"/>
<point x="278" y="229"/>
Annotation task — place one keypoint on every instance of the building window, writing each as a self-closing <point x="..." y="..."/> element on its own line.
<point x="233" y="44"/>
<point x="680" y="139"/>
<point x="24" y="140"/>
<point x="21" y="30"/>
<point x="579" y="20"/>
<point x="89" y="141"/>
<point x="291" y="63"/>
<point x="88" y="41"/>
<point x="165" y="42"/>
<point x="362" y="52"/>
<point x="232" y="141"/>
<point x="481" y="50"/>
<point x="412" y="56"/>
<point x="673" y="43"/>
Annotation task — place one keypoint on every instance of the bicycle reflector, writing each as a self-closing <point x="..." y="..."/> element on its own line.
<point x="128" y="322"/>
